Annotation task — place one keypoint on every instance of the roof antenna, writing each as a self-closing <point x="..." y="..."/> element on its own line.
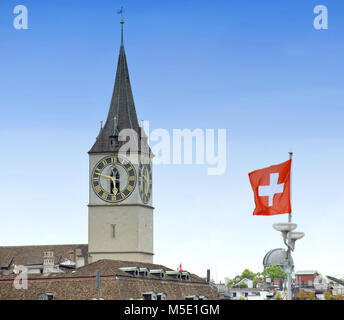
<point x="121" y="11"/>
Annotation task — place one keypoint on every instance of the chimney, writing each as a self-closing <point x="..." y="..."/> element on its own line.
<point x="208" y="275"/>
<point x="79" y="259"/>
<point x="71" y="256"/>
<point x="48" y="261"/>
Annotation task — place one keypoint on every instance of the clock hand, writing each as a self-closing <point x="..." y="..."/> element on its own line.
<point x="144" y="177"/>
<point x="103" y="175"/>
<point x="145" y="184"/>
<point x="114" y="190"/>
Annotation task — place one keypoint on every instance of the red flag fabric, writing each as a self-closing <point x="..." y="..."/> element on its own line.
<point x="271" y="187"/>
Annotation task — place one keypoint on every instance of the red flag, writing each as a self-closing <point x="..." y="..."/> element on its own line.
<point x="180" y="267"/>
<point x="271" y="187"/>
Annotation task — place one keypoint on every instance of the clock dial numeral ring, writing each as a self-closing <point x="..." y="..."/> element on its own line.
<point x="145" y="182"/>
<point x="113" y="194"/>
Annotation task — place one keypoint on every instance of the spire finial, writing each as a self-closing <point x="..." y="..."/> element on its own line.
<point x="101" y="124"/>
<point x="121" y="11"/>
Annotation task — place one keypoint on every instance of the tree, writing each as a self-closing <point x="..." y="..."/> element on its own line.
<point x="247" y="274"/>
<point x="274" y="272"/>
<point x="231" y="283"/>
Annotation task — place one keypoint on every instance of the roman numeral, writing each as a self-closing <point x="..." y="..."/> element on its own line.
<point x="97" y="170"/>
<point x="98" y="188"/>
<point x="104" y="196"/>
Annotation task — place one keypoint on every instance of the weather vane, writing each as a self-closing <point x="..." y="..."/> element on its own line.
<point x="121" y="11"/>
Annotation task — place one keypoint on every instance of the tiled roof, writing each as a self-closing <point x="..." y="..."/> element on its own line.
<point x="341" y="282"/>
<point x="115" y="284"/>
<point x="32" y="255"/>
<point x="107" y="268"/>
<point x="112" y="288"/>
<point x="306" y="272"/>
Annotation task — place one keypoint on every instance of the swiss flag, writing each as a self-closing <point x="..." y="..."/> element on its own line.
<point x="271" y="187"/>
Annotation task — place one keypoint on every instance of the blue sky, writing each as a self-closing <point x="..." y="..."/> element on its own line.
<point x="257" y="68"/>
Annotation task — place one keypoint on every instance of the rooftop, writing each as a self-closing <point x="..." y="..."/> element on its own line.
<point x="306" y="272"/>
<point x="115" y="283"/>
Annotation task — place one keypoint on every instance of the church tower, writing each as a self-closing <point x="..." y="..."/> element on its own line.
<point x="120" y="212"/>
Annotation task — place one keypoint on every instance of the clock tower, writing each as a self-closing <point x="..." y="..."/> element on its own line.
<point x="120" y="211"/>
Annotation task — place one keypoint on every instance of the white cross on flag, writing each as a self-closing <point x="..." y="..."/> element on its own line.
<point x="271" y="187"/>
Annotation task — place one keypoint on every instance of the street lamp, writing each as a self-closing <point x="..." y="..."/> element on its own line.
<point x="287" y="226"/>
<point x="289" y="239"/>
<point x="284" y="228"/>
<point x="293" y="237"/>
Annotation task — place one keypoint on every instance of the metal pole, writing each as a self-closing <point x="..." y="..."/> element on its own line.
<point x="289" y="275"/>
<point x="288" y="251"/>
<point x="98" y="283"/>
<point x="290" y="158"/>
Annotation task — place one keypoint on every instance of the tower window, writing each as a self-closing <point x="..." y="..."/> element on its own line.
<point x="113" y="230"/>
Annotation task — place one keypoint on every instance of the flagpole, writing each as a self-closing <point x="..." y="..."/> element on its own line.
<point x="289" y="239"/>
<point x="290" y="158"/>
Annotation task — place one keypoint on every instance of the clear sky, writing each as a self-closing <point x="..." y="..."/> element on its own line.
<point x="257" y="68"/>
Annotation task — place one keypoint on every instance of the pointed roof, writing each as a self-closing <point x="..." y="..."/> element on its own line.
<point x="122" y="113"/>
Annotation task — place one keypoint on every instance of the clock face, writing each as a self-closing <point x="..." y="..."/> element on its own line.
<point x="145" y="182"/>
<point x="113" y="179"/>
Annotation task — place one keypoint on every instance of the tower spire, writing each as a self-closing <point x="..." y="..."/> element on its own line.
<point x="122" y="113"/>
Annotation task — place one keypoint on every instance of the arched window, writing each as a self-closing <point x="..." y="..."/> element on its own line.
<point x="114" y="173"/>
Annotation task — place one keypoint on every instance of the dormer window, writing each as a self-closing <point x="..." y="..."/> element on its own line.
<point x="114" y="141"/>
